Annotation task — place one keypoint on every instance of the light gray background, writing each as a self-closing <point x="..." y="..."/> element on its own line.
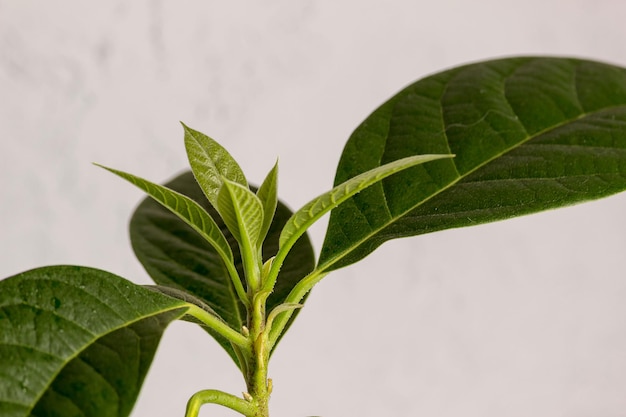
<point x="513" y="319"/>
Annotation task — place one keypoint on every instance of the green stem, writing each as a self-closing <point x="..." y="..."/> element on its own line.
<point x="218" y="397"/>
<point x="220" y="327"/>
<point x="257" y="382"/>
<point x="295" y="296"/>
<point x="234" y="277"/>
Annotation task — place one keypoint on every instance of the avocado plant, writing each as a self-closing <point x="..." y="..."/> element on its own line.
<point x="474" y="144"/>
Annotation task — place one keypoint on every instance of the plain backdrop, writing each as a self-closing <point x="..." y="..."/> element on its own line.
<point x="513" y="319"/>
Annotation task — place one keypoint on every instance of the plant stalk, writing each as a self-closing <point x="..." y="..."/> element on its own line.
<point x="257" y="382"/>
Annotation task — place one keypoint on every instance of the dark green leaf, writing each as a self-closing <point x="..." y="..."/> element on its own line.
<point x="77" y="341"/>
<point x="529" y="134"/>
<point x="176" y="256"/>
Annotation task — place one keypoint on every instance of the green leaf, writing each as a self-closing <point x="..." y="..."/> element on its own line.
<point x="77" y="341"/>
<point x="210" y="162"/>
<point x="268" y="194"/>
<point x="242" y="211"/>
<point x="195" y="216"/>
<point x="316" y="208"/>
<point x="529" y="134"/>
<point x="202" y="314"/>
<point x="186" y="209"/>
<point x="176" y="256"/>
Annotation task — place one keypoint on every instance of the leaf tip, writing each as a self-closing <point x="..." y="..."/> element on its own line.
<point x="102" y="166"/>
<point x="187" y="130"/>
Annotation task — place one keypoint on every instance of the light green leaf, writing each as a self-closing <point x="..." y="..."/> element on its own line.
<point x="186" y="209"/>
<point x="210" y="163"/>
<point x="529" y="134"/>
<point x="268" y="194"/>
<point x="242" y="212"/>
<point x="77" y="341"/>
<point x="316" y="208"/>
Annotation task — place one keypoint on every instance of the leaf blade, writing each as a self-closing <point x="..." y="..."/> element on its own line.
<point x="210" y="162"/>
<point x="496" y="117"/>
<point x="175" y="256"/>
<point x="242" y="212"/>
<point x="52" y="319"/>
<point x="268" y="194"/>
<point x="185" y="208"/>
<point x="316" y="208"/>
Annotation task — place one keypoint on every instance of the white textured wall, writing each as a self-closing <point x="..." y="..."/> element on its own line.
<point x="514" y="319"/>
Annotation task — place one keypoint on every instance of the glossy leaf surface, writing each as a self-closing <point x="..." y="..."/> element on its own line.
<point x="77" y="341"/>
<point x="529" y="134"/>
<point x="175" y="255"/>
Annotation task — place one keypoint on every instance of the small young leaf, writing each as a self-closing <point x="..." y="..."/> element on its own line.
<point x="316" y="208"/>
<point x="268" y="194"/>
<point x="186" y="209"/>
<point x="64" y="327"/>
<point x="242" y="212"/>
<point x="210" y="163"/>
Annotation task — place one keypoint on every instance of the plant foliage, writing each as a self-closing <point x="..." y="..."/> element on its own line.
<point x="473" y="144"/>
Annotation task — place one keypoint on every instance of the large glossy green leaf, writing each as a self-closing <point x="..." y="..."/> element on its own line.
<point x="77" y="341"/>
<point x="529" y="134"/>
<point x="175" y="255"/>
